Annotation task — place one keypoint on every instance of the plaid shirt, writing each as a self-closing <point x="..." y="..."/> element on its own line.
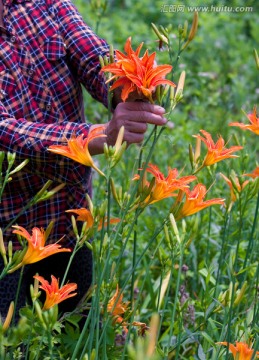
<point x="46" y="51"/>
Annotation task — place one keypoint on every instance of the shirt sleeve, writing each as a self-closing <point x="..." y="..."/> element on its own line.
<point x="83" y="48"/>
<point x="31" y="141"/>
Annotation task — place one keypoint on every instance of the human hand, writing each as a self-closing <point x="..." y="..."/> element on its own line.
<point x="135" y="117"/>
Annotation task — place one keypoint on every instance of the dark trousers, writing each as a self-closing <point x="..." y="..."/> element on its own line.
<point x="80" y="272"/>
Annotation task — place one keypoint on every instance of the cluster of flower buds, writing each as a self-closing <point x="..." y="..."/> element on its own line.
<point x="114" y="153"/>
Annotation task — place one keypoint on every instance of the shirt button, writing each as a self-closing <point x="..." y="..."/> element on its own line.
<point x="30" y="72"/>
<point x="13" y="39"/>
<point x="48" y="106"/>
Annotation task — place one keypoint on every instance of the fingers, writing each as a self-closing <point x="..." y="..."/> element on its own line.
<point x="135" y="117"/>
<point x="141" y="112"/>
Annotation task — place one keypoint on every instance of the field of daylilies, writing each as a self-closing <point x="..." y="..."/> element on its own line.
<point x="173" y="222"/>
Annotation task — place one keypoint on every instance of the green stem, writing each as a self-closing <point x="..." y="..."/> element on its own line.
<point x="175" y="297"/>
<point x="17" y="293"/>
<point x="250" y="243"/>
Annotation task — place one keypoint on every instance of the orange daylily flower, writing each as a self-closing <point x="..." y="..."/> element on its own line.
<point x="134" y="73"/>
<point x="234" y="185"/>
<point x="216" y="151"/>
<point x="36" y="246"/>
<point x="194" y="201"/>
<point x="117" y="308"/>
<point x="54" y="294"/>
<point x="240" y="351"/>
<point x="163" y="187"/>
<point x="254" y="174"/>
<point x="77" y="148"/>
<point x="254" y="123"/>
<point x="83" y="215"/>
<point x="86" y="215"/>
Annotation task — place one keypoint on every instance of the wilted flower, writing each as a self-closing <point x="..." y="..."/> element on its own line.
<point x="241" y="351"/>
<point x="216" y="151"/>
<point x="117" y="308"/>
<point x="254" y="123"/>
<point x="134" y="73"/>
<point x="234" y="184"/>
<point x="194" y="201"/>
<point x="86" y="216"/>
<point x="36" y="250"/>
<point x="254" y="174"/>
<point x="77" y="148"/>
<point x="54" y="294"/>
<point x="162" y="187"/>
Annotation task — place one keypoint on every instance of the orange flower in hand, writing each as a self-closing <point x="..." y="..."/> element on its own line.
<point x="254" y="174"/>
<point x="134" y="73"/>
<point x="241" y="351"/>
<point x="77" y="148"/>
<point x="194" y="201"/>
<point x="254" y="123"/>
<point x="36" y="250"/>
<point x="54" y="294"/>
<point x="216" y="152"/>
<point x="163" y="187"/>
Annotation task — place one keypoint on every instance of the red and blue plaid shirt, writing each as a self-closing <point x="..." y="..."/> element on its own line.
<point x="46" y="53"/>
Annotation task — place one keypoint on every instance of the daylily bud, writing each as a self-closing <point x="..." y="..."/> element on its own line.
<point x="48" y="194"/>
<point x="74" y="225"/>
<point x="101" y="61"/>
<point x="175" y="228"/>
<point x="240" y="294"/>
<point x="11" y="158"/>
<point x="191" y="156"/>
<point x="185" y="28"/>
<point x="19" y="167"/>
<point x="34" y="290"/>
<point x="179" y="91"/>
<point x="163" y="30"/>
<point x="42" y="191"/>
<point x="194" y="27"/>
<point x="256" y="59"/>
<point x="90" y="203"/>
<point x="105" y="60"/>
<point x="9" y="316"/>
<point x="193" y="30"/>
<point x="158" y="94"/>
<point x="111" y="54"/>
<point x="2" y="248"/>
<point x="163" y="38"/>
<point x="10" y="250"/>
<point x="197" y="153"/>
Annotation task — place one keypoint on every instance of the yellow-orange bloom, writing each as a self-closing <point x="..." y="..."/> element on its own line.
<point x="234" y="185"/>
<point x="254" y="123"/>
<point x="134" y="73"/>
<point x="54" y="294"/>
<point x="240" y="351"/>
<point x="216" y="151"/>
<point x="36" y="250"/>
<point x="77" y="148"/>
<point x="194" y="201"/>
<point x="163" y="187"/>
<point x="254" y="174"/>
<point x="116" y="307"/>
